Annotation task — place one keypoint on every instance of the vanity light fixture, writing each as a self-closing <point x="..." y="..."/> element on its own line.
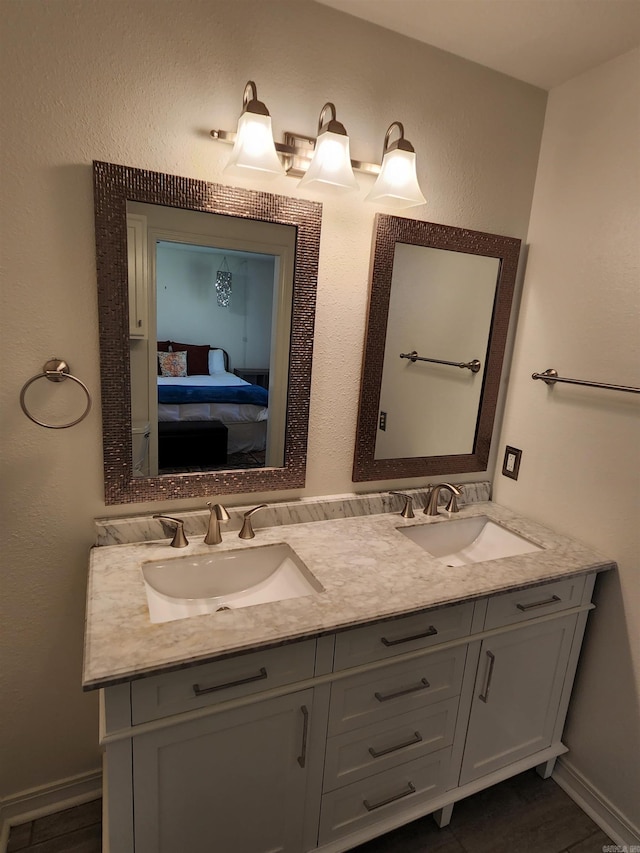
<point x="323" y="163"/>
<point x="254" y="149"/>
<point x="397" y="184"/>
<point x="330" y="168"/>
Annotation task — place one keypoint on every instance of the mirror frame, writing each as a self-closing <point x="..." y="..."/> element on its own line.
<point x="114" y="185"/>
<point x="390" y="230"/>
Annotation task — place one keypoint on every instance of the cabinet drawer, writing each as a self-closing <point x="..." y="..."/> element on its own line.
<point x="198" y="686"/>
<point x="385" y="639"/>
<point x="373" y="749"/>
<point x="386" y="794"/>
<point x="513" y="607"/>
<point x="396" y="689"/>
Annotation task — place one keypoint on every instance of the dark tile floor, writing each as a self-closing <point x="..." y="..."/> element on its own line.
<point x="522" y="815"/>
<point x="525" y="814"/>
<point x="77" y="830"/>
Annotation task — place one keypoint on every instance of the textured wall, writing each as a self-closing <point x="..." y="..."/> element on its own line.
<point x="580" y="468"/>
<point x="141" y="82"/>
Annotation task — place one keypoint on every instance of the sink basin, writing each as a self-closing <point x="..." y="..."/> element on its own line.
<point x="468" y="540"/>
<point x="193" y="585"/>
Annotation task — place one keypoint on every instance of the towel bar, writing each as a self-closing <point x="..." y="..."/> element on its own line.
<point x="550" y="377"/>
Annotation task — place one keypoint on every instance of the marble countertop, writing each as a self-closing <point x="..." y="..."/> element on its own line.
<point x="368" y="570"/>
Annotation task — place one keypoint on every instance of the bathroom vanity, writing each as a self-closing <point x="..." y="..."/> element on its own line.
<point x="402" y="683"/>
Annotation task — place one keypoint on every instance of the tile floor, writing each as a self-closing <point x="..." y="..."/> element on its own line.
<point x="522" y="815"/>
<point x="77" y="830"/>
<point x="525" y="814"/>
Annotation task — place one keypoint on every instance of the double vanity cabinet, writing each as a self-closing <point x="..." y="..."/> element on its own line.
<point x="323" y="742"/>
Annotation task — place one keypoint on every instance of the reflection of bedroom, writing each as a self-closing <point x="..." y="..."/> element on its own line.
<point x="188" y="307"/>
<point x="221" y="299"/>
<point x="208" y="281"/>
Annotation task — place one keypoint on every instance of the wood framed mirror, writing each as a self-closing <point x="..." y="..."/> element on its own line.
<point x="439" y="308"/>
<point x="130" y="342"/>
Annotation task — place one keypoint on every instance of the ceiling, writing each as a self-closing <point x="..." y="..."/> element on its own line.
<point x="543" y="42"/>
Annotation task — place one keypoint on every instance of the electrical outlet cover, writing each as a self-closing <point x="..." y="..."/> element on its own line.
<point x="511" y="464"/>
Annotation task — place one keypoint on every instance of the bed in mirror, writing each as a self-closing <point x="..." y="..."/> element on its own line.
<point x="439" y="308"/>
<point x="207" y="305"/>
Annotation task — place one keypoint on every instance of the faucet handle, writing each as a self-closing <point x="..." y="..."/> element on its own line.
<point x="407" y="510"/>
<point x="179" y="539"/>
<point x="247" y="528"/>
<point x="220" y="511"/>
<point x="452" y="506"/>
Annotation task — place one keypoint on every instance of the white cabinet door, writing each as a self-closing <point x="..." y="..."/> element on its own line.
<point x="235" y="781"/>
<point x="137" y="270"/>
<point x="517" y="694"/>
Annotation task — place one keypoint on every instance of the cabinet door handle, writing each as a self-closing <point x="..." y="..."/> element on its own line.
<point x="525" y="607"/>
<point x="200" y="691"/>
<point x="302" y="758"/>
<point x="384" y="697"/>
<point x="417" y="738"/>
<point x="492" y="660"/>
<point x="430" y="632"/>
<point x="371" y="806"/>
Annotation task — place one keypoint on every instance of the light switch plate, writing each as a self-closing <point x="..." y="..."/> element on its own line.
<point x="511" y="464"/>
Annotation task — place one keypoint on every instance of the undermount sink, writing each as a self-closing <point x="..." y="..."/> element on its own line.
<point x="468" y="540"/>
<point x="186" y="586"/>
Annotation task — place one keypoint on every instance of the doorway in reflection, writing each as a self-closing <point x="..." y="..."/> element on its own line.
<point x="216" y="306"/>
<point x="210" y="312"/>
<point x="440" y="307"/>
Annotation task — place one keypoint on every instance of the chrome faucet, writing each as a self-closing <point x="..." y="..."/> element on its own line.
<point x="247" y="527"/>
<point x="407" y="510"/>
<point x="217" y="513"/>
<point x="432" y="505"/>
<point x="179" y="539"/>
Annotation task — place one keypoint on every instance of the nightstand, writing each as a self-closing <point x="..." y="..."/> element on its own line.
<point x="255" y="375"/>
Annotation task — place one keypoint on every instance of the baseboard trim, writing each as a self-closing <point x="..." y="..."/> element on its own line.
<point x="47" y="799"/>
<point x="595" y="804"/>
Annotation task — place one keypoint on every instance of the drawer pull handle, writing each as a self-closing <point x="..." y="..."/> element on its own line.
<point x="492" y="660"/>
<point x="417" y="738"/>
<point x="384" y="697"/>
<point x="525" y="607"/>
<point x="200" y="691"/>
<point x="371" y="806"/>
<point x="430" y="632"/>
<point x="302" y="758"/>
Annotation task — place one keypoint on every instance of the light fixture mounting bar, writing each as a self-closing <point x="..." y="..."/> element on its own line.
<point x="294" y="148"/>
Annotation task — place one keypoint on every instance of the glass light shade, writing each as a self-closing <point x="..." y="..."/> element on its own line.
<point x="330" y="168"/>
<point x="397" y="184"/>
<point x="254" y="149"/>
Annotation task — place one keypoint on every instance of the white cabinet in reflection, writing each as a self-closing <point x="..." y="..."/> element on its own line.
<point x="137" y="270"/>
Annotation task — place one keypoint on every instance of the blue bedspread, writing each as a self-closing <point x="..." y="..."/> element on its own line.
<point x="207" y="394"/>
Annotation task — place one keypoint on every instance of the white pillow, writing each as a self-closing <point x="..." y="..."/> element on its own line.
<point x="216" y="361"/>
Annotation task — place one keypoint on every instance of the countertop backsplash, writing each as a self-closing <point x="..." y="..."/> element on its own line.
<point x="144" y="528"/>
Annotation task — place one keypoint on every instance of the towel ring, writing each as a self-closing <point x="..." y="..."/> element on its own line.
<point x="55" y="370"/>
